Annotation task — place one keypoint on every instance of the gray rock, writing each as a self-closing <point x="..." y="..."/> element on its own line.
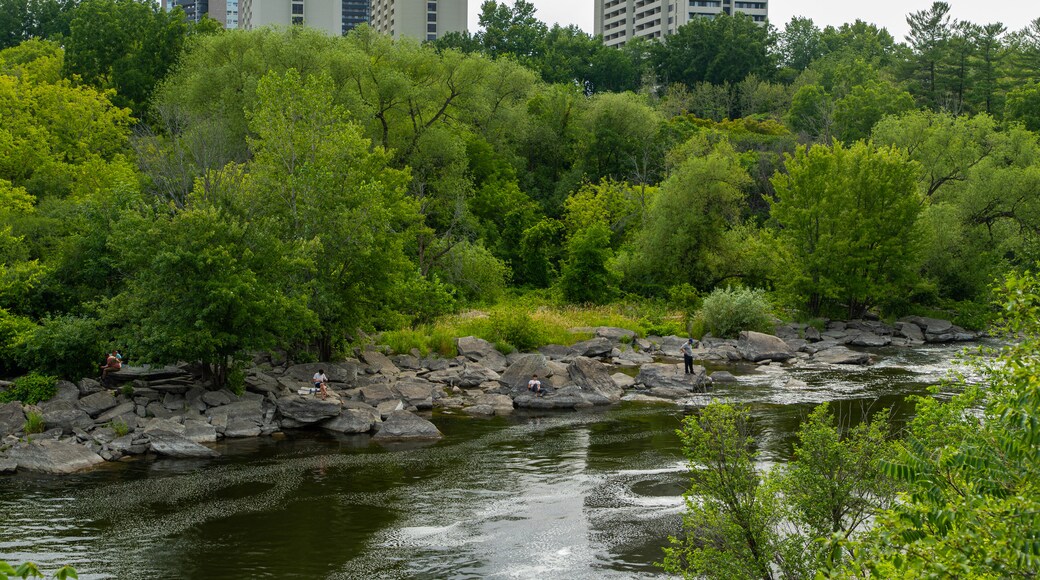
<point x="97" y="403"/>
<point x="755" y="347"/>
<point x="406" y="362"/>
<point x="8" y="465"/>
<point x="308" y="409"/>
<point x="812" y="335"/>
<point x="593" y="348"/>
<point x="241" y="427"/>
<point x="53" y="456"/>
<point x="387" y="408"/>
<point x="672" y="376"/>
<point x="723" y="377"/>
<point x="910" y="331"/>
<point x="416" y="392"/>
<point x="670" y="393"/>
<point x="869" y="339"/>
<point x="66" y="392"/>
<point x="216" y="398"/>
<point x="258" y="382"/>
<point x="375" y="394"/>
<point x="570" y="397"/>
<point x="481" y="351"/>
<point x="593" y="376"/>
<point x="480" y="411"/>
<point x="356" y="420"/>
<point x="404" y="425"/>
<point x="473" y="374"/>
<point x="173" y="402"/>
<point x="12" y="419"/>
<point x="614" y="334"/>
<point x="623" y="381"/>
<point x="520" y="372"/>
<point x="174" y="445"/>
<point x="63" y="415"/>
<point x="839" y="355"/>
<point x="557" y="352"/>
<point x="199" y="431"/>
<point x="88" y="386"/>
<point x="119" y="411"/>
<point x="500" y="404"/>
<point x="156" y="409"/>
<point x="157" y="424"/>
<point x="379" y="363"/>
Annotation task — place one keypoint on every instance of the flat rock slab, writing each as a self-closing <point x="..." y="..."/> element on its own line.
<point x="839" y="355"/>
<point x="174" y="445"/>
<point x="148" y="373"/>
<point x="53" y="456"/>
<point x="309" y="409"/>
<point x="672" y="376"/>
<point x="97" y="403"/>
<point x="404" y="425"/>
<point x="593" y="348"/>
<point x="353" y="421"/>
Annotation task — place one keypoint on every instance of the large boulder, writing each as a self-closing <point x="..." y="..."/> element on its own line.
<point x="239" y="419"/>
<point x="379" y="363"/>
<point x="593" y="376"/>
<point x="520" y="372"/>
<point x="474" y="374"/>
<point x="569" y="397"/>
<point x="308" y="409"/>
<point x="481" y="351"/>
<point x="756" y="346"/>
<point x="839" y="355"/>
<point x="499" y="404"/>
<point x="869" y="339"/>
<point x="12" y="419"/>
<point x="623" y="381"/>
<point x="53" y="456"/>
<point x="65" y="415"/>
<point x="122" y="412"/>
<point x="404" y="425"/>
<point x="910" y="331"/>
<point x="259" y="382"/>
<point x="97" y="403"/>
<point x="66" y="392"/>
<point x="355" y="420"/>
<point x="672" y="376"/>
<point x="416" y="392"/>
<point x="173" y="445"/>
<point x="88" y="386"/>
<point x="377" y="393"/>
<point x="593" y="348"/>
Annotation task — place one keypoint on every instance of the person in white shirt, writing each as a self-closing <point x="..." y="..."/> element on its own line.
<point x="687" y="356"/>
<point x="535" y="386"/>
<point x="321" y="383"/>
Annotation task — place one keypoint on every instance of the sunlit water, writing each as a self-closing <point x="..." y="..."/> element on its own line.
<point x="553" y="495"/>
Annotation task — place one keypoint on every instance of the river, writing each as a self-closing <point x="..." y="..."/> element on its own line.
<point x="590" y="494"/>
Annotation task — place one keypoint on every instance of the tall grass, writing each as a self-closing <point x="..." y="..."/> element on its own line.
<point x="528" y="321"/>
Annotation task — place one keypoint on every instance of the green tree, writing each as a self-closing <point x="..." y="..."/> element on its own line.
<point x="723" y="49"/>
<point x="856" y="113"/>
<point x="846" y="217"/>
<point x="586" y="276"/>
<point x="971" y="506"/>
<point x="1023" y="106"/>
<point x="685" y="229"/>
<point x="22" y="20"/>
<point x="800" y="43"/>
<point x="124" y="45"/>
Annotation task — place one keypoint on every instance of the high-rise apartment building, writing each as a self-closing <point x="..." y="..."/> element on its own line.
<point x="421" y="19"/>
<point x="326" y="15"/>
<point x="223" y="11"/>
<point x="355" y="13"/>
<point x="619" y="21"/>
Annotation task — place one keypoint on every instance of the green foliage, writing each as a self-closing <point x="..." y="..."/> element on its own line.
<point x="1023" y="106"/>
<point x="727" y="311"/>
<point x="120" y="428"/>
<point x="31" y="389"/>
<point x="30" y="570"/>
<point x="33" y="423"/>
<point x="517" y="329"/>
<point x="478" y="275"/>
<point x="67" y="346"/>
<point x="586" y="276"/>
<point x="847" y="219"/>
<point x="971" y="502"/>
<point x="716" y="50"/>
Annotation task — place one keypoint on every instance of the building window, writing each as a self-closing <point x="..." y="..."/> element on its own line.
<point x="431" y="37"/>
<point x="431" y="27"/>
<point x="431" y="17"/>
<point x="297" y="9"/>
<point x="431" y="6"/>
<point x="297" y="20"/>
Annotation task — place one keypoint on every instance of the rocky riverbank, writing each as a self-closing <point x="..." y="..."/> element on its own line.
<point x="168" y="412"/>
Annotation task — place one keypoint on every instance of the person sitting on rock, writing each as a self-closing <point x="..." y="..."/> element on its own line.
<point x="321" y="383"/>
<point x="111" y="365"/>
<point x="535" y="386"/>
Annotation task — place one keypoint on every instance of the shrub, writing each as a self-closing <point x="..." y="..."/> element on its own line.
<point x="128" y="390"/>
<point x="13" y="330"/>
<point x="67" y="346"/>
<point x="120" y="428"/>
<point x="726" y="312"/>
<point x="31" y="389"/>
<point x="516" y="328"/>
<point x="33" y="423"/>
<point x="474" y="272"/>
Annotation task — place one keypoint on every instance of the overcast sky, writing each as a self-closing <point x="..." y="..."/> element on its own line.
<point x="891" y="14"/>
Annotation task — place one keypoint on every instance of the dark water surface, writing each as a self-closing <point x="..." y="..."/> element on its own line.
<point x="553" y="495"/>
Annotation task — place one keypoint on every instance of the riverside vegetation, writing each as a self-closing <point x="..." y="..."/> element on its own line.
<point x="226" y="193"/>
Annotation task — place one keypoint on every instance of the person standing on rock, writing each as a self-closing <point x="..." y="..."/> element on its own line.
<point x="535" y="386"/>
<point x="687" y="356"/>
<point x="321" y="383"/>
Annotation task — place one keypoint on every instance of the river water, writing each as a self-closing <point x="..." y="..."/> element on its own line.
<point x="590" y="494"/>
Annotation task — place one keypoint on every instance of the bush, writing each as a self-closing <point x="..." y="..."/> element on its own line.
<point x="67" y="346"/>
<point x="516" y="328"/>
<point x="31" y="389"/>
<point x="33" y="423"/>
<point x="475" y="273"/>
<point x="120" y="428"/>
<point x="13" y="330"/>
<point x="726" y="312"/>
